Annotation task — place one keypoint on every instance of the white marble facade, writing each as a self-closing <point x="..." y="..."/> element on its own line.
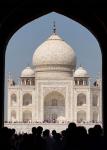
<point x="53" y="89"/>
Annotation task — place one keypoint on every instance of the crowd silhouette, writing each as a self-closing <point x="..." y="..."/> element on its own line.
<point x="72" y="138"/>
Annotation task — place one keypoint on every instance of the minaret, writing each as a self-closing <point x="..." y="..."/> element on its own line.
<point x="10" y="80"/>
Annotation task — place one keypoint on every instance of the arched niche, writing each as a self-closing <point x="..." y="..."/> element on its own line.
<point x="13" y="115"/>
<point x="95" y="100"/>
<point x="27" y="116"/>
<point x="27" y="99"/>
<point x="81" y="82"/>
<point x="27" y="81"/>
<point x="54" y="106"/>
<point x="81" y="116"/>
<point x="13" y="100"/>
<point x="95" y="116"/>
<point x="81" y="99"/>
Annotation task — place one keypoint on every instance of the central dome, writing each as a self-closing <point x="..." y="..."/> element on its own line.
<point x="54" y="52"/>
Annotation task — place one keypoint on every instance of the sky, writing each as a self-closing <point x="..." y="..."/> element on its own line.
<point x="24" y="42"/>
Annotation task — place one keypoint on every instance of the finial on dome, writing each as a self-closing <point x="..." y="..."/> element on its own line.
<point x="54" y="27"/>
<point x="27" y="65"/>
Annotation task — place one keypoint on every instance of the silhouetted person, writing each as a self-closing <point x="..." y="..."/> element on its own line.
<point x="98" y="130"/>
<point x="72" y="125"/>
<point x="39" y="131"/>
<point x="40" y="143"/>
<point x="48" y="139"/>
<point x="73" y="138"/>
<point x="57" y="142"/>
<point x="81" y="131"/>
<point x="34" y="131"/>
<point x="54" y="133"/>
<point x="91" y="132"/>
<point x="81" y="138"/>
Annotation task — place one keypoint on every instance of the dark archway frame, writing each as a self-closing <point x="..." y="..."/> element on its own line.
<point x="22" y="14"/>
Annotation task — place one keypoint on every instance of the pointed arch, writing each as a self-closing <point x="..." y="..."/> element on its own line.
<point x="54" y="106"/>
<point x="95" y="116"/>
<point x="13" y="116"/>
<point x="81" y="116"/>
<point x="81" y="99"/>
<point x="95" y="100"/>
<point x="27" y="116"/>
<point x="13" y="99"/>
<point x="27" y="99"/>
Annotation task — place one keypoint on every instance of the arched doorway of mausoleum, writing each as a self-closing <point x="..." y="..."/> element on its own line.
<point x="54" y="106"/>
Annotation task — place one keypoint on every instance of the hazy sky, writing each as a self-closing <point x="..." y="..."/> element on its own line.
<point x="22" y="45"/>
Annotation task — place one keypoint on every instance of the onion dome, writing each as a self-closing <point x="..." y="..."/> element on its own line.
<point x="54" y="53"/>
<point x="81" y="72"/>
<point x="27" y="72"/>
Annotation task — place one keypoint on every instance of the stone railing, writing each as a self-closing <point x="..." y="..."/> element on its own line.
<point x="27" y="127"/>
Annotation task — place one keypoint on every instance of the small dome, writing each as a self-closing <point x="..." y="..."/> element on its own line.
<point x="54" y="51"/>
<point x="81" y="72"/>
<point x="27" y="72"/>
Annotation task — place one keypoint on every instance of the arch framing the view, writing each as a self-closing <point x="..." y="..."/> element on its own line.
<point x="99" y="32"/>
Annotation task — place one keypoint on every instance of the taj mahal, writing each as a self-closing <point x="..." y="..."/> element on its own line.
<point x="53" y="90"/>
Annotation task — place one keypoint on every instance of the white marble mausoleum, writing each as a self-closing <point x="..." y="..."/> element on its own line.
<point x="53" y="89"/>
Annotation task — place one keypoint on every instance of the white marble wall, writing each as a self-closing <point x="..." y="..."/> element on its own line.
<point x="43" y="88"/>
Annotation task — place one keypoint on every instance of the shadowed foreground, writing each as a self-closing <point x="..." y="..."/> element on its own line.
<point x="73" y="137"/>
